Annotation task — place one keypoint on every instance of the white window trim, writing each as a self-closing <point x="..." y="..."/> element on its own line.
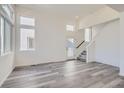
<point x="7" y="53"/>
<point x="11" y="22"/>
<point x="29" y="49"/>
<point x="3" y="13"/>
<point x="3" y="53"/>
<point x="2" y="36"/>
<point x="70" y="28"/>
<point x="23" y="26"/>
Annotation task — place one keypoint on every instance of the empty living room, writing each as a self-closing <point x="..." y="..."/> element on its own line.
<point x="61" y="46"/>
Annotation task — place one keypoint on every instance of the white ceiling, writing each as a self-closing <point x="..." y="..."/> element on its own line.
<point x="66" y="10"/>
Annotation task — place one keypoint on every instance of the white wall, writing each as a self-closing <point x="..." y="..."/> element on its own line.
<point x="107" y="43"/>
<point x="6" y="66"/>
<point x="7" y="61"/>
<point x="91" y="50"/>
<point x="122" y="44"/>
<point x="50" y="38"/>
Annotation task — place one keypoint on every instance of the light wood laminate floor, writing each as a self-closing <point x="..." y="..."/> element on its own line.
<point x="71" y="74"/>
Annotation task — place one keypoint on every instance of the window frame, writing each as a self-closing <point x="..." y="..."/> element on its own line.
<point x="6" y="36"/>
<point x="30" y="27"/>
<point x="10" y="21"/>
<point x="70" y="28"/>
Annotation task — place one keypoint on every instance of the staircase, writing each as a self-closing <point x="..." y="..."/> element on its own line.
<point x="82" y="56"/>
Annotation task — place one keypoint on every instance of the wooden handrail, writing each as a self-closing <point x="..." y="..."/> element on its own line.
<point x="80" y="44"/>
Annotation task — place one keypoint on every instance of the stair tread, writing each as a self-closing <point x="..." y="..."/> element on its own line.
<point x="82" y="56"/>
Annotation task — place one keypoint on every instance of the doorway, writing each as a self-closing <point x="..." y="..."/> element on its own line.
<point x="70" y="48"/>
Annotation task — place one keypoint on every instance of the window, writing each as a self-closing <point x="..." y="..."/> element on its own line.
<point x="7" y="37"/>
<point x="6" y="29"/>
<point x="8" y="11"/>
<point x="27" y="39"/>
<point x="2" y="34"/>
<point x="30" y="42"/>
<point x="69" y="28"/>
<point x="27" y="21"/>
<point x="6" y="26"/>
<point x="27" y="33"/>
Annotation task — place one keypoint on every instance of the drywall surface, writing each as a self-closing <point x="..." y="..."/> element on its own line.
<point x="107" y="43"/>
<point x="50" y="38"/>
<point x="91" y="53"/>
<point x="122" y="43"/>
<point x="6" y="66"/>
